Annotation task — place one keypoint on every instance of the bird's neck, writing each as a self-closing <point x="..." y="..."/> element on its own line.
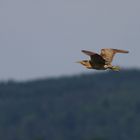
<point x="88" y="65"/>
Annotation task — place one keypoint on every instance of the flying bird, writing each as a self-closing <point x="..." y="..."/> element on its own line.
<point x="103" y="60"/>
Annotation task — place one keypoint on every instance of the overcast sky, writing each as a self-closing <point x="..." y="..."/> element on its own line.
<point x="44" y="38"/>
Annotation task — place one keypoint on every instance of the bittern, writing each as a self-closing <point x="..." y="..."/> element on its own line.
<point x="101" y="61"/>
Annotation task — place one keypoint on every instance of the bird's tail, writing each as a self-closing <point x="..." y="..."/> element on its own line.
<point x="120" y="51"/>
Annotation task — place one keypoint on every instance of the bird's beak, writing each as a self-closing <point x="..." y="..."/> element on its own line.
<point x="78" y="62"/>
<point x="82" y="63"/>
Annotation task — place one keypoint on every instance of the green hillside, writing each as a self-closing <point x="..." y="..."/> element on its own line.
<point x="102" y="106"/>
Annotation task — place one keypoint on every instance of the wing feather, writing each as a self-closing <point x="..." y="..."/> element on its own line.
<point x="108" y="54"/>
<point x="95" y="58"/>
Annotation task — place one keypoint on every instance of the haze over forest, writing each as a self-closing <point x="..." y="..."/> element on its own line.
<point x="82" y="107"/>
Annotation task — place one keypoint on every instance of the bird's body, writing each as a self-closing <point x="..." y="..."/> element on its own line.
<point x="102" y="61"/>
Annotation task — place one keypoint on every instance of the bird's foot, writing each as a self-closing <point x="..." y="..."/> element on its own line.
<point x="115" y="68"/>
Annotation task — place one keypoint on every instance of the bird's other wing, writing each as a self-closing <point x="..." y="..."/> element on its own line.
<point x="120" y="51"/>
<point x="108" y="54"/>
<point x="95" y="58"/>
<point x="88" y="52"/>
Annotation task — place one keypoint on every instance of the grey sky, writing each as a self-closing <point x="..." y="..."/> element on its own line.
<point x="43" y="38"/>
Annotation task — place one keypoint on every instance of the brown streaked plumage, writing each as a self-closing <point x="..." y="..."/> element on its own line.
<point x="102" y="61"/>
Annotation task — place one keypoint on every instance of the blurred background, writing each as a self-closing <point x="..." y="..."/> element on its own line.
<point x="44" y="94"/>
<point x="44" y="38"/>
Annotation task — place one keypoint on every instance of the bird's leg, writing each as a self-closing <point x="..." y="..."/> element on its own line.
<point x="114" y="68"/>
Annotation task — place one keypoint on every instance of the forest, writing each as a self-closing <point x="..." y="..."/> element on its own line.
<point x="93" y="106"/>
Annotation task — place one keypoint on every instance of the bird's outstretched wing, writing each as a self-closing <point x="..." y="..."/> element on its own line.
<point x="95" y="58"/>
<point x="108" y="54"/>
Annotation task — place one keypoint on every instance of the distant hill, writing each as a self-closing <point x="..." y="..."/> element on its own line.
<point x="102" y="106"/>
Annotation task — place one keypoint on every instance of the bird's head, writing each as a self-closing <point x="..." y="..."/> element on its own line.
<point x="85" y="63"/>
